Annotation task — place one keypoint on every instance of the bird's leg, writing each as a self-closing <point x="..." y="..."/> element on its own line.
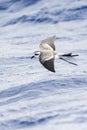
<point x="67" y="61"/>
<point x="68" y="55"/>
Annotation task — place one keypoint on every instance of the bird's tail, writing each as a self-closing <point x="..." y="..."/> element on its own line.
<point x="68" y="55"/>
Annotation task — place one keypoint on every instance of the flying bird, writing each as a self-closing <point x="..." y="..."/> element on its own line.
<point x="48" y="54"/>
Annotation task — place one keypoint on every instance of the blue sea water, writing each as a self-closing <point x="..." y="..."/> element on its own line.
<point x="31" y="97"/>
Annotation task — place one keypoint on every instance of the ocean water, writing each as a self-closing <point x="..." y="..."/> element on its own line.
<point x="31" y="97"/>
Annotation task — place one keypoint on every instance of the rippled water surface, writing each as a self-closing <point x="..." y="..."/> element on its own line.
<point x="31" y="97"/>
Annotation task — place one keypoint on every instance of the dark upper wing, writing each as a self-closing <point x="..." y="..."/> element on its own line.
<point x="49" y="65"/>
<point x="49" y="41"/>
<point x="47" y="60"/>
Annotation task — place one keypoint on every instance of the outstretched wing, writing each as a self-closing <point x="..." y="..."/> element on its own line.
<point x="49" y="41"/>
<point x="49" y="65"/>
<point x="46" y="58"/>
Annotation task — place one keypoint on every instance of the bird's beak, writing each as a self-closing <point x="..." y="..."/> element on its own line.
<point x="32" y="56"/>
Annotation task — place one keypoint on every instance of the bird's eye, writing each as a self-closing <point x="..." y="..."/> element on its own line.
<point x="36" y="54"/>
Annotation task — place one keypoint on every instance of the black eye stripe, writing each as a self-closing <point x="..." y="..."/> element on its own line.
<point x="36" y="54"/>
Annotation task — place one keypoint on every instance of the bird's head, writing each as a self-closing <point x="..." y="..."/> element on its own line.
<point x="36" y="53"/>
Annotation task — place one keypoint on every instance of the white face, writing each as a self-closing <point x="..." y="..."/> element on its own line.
<point x="37" y="53"/>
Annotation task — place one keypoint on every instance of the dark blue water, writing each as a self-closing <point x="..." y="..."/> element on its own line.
<point x="31" y="97"/>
